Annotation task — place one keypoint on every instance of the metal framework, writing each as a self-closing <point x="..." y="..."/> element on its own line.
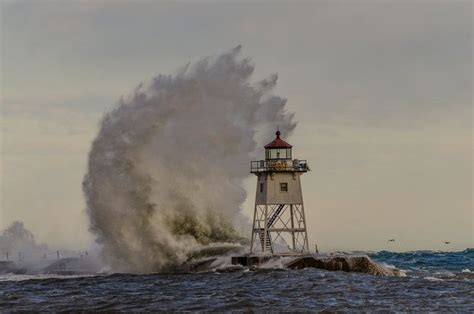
<point x="279" y="229"/>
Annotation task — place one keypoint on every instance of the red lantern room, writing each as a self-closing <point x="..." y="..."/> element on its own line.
<point x="278" y="148"/>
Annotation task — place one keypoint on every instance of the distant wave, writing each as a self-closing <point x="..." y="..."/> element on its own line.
<point x="428" y="261"/>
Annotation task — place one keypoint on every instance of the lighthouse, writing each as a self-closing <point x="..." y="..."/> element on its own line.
<point x="279" y="223"/>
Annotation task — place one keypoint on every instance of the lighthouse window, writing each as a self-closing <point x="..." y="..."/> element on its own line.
<point x="284" y="187"/>
<point x="278" y="153"/>
<point x="261" y="187"/>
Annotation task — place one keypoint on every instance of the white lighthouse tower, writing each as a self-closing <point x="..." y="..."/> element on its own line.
<point x="279" y="224"/>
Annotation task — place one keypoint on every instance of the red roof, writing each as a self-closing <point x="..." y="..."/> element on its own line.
<point x="278" y="142"/>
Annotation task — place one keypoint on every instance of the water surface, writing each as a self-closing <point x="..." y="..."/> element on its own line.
<point x="434" y="281"/>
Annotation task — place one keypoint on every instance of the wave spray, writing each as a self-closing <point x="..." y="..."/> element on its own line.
<point x="165" y="172"/>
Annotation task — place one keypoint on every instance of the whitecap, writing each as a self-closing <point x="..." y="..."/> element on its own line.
<point x="14" y="277"/>
<point x="445" y="273"/>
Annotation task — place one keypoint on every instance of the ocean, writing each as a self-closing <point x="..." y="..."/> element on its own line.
<point x="431" y="281"/>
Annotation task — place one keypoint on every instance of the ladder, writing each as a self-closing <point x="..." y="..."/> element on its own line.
<point x="275" y="215"/>
<point x="267" y="241"/>
<point x="270" y="223"/>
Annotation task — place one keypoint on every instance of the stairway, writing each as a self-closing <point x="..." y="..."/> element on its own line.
<point x="268" y="241"/>
<point x="270" y="223"/>
<point x="275" y="215"/>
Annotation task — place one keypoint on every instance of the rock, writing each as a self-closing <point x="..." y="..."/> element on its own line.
<point x="10" y="267"/>
<point x="68" y="266"/>
<point x="348" y="263"/>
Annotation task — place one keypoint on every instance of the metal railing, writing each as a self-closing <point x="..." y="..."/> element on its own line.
<point x="279" y="165"/>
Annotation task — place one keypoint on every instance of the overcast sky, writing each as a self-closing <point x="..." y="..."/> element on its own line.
<point x="382" y="92"/>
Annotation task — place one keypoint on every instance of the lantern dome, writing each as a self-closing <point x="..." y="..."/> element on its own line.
<point x="278" y="142"/>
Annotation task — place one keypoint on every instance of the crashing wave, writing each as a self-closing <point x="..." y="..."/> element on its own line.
<point x="166" y="171"/>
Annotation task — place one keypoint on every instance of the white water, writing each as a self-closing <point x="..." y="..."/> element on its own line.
<point x="165" y="171"/>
